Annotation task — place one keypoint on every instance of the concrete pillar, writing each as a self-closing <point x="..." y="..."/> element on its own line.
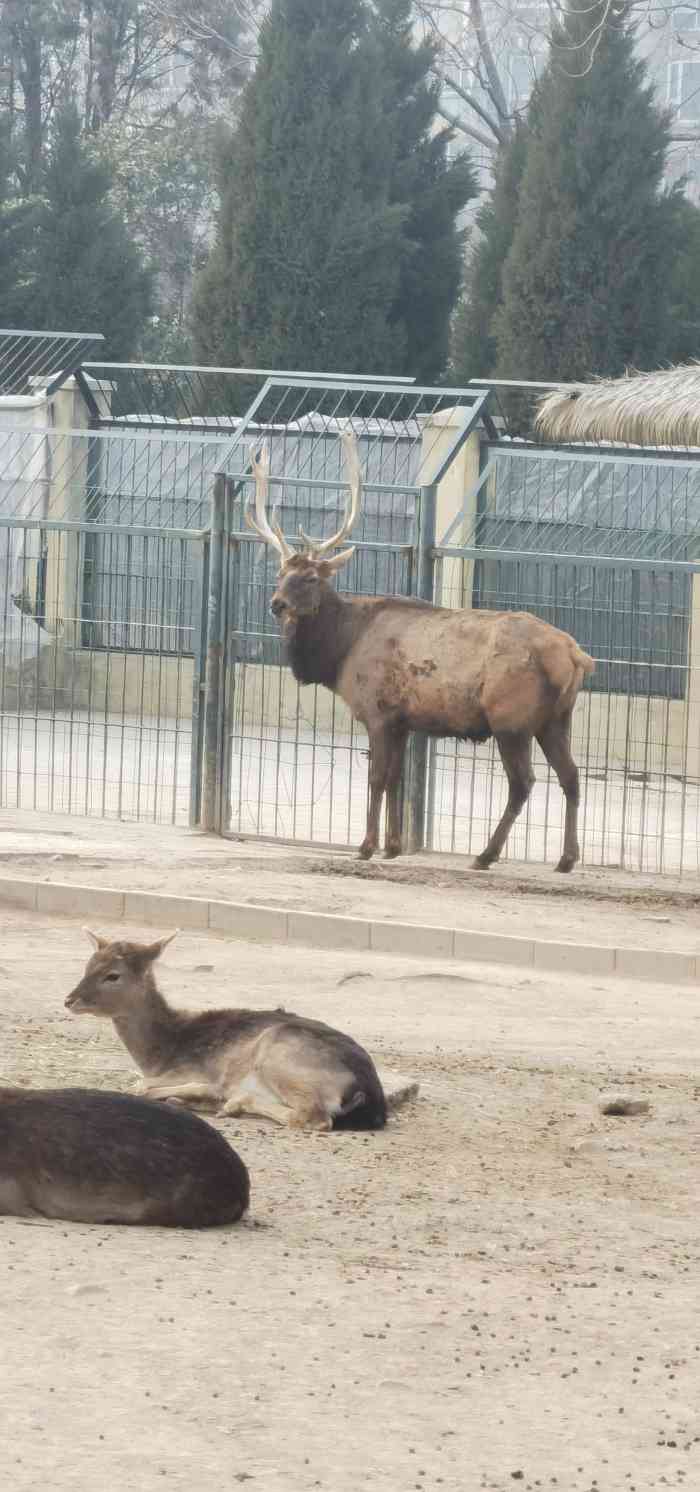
<point x="67" y="417"/>
<point x="455" y="577"/>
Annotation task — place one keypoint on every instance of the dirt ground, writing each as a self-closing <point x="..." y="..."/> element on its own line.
<point x="612" y="907"/>
<point x="498" y="1291"/>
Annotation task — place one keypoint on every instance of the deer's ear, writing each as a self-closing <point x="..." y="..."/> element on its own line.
<point x="155" y="949"/>
<point x="95" y="939"/>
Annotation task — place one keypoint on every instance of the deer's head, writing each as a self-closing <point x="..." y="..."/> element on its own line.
<point x="303" y="576"/>
<point x="116" y="978"/>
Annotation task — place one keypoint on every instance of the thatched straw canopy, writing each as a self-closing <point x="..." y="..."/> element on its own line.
<point x="643" y="409"/>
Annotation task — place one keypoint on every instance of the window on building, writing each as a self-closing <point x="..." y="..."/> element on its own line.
<point x="684" y="89"/>
<point x="686" y="18"/>
<point x="520" y="73"/>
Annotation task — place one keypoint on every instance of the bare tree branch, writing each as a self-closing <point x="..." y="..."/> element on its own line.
<point x="486" y="54"/>
<point x="458" y="122"/>
<point x="499" y="127"/>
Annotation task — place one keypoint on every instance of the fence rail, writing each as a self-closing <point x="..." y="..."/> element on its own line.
<point x="142" y="674"/>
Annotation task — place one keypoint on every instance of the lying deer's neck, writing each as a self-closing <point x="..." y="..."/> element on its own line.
<point x="148" y="1029"/>
<point x="320" y="643"/>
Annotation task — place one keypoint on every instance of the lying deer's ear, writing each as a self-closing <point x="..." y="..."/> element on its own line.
<point x="95" y="939"/>
<point x="155" y="949"/>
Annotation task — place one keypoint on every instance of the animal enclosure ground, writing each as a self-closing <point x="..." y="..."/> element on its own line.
<point x="498" y="1291"/>
<point x="611" y="907"/>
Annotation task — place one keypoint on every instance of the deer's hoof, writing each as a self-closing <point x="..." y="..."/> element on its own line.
<point x="566" y="864"/>
<point x="391" y="851"/>
<point x="481" y="863"/>
<point x="366" y="850"/>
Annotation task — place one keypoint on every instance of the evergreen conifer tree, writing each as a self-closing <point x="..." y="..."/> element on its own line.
<point x="434" y="186"/>
<point x="683" y="343"/>
<point x="337" y="246"/>
<point x="89" y="274"/>
<point x="307" y="256"/>
<point x="474" y="349"/>
<point x="17" y="252"/>
<point x="585" y="282"/>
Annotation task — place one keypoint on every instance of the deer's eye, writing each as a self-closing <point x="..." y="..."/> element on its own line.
<point x="110" y="978"/>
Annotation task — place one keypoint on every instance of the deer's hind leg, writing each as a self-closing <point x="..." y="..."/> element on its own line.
<point x="554" y="741"/>
<point x="295" y="1080"/>
<point x="252" y="1095"/>
<point x="397" y="748"/>
<point x="379" y="752"/>
<point x="516" y="754"/>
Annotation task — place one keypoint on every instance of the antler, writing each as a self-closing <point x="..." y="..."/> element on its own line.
<point x="270" y="532"/>
<point x="354" y="476"/>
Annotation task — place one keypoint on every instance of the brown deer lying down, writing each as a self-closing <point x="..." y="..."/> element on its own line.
<point x="403" y="665"/>
<point x="93" y="1157"/>
<point x="267" y="1062"/>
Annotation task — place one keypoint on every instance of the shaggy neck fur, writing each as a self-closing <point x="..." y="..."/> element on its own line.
<point x="320" y="643"/>
<point x="149" y="1029"/>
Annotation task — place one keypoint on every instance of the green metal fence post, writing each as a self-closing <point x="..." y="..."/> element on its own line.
<point x="212" y="763"/>
<point x="199" y="675"/>
<point x="416" y="778"/>
<point x="232" y="560"/>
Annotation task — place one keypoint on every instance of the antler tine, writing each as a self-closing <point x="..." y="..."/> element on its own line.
<point x="270" y="532"/>
<point x="352" y="509"/>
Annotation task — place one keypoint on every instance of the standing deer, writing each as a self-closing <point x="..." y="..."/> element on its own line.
<point x="401" y="665"/>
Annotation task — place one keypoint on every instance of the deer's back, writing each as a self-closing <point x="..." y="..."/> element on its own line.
<point x="109" y="1157"/>
<point x="447" y="672"/>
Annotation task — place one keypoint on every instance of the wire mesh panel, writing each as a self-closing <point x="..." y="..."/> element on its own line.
<point x="31" y="360"/>
<point x="636" y="727"/>
<point x="298" y="761"/>
<point x="162" y="394"/>
<point x="87" y="726"/>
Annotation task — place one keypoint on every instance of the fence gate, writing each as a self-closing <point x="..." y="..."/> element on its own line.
<point x="281" y="761"/>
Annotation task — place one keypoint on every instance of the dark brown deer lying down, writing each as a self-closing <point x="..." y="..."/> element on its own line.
<point x="93" y="1157"/>
<point x="267" y="1062"/>
<point x="403" y="665"/>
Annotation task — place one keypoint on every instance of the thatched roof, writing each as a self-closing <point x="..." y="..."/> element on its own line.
<point x="642" y="409"/>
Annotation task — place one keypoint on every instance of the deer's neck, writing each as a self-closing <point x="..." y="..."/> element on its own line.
<point x="148" y="1031"/>
<point x="320" y="643"/>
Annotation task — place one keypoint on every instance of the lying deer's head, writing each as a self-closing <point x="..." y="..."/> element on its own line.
<point x="302" y="576"/>
<point x="116" y="976"/>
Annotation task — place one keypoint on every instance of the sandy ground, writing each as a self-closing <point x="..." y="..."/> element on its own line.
<point x="498" y="1291"/>
<point x="591" y="905"/>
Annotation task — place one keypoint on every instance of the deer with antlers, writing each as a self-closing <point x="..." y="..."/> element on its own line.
<point x="401" y="665"/>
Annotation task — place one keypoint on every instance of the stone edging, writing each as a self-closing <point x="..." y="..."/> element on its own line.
<point x="357" y="934"/>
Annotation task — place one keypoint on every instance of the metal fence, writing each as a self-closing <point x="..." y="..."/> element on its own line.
<point x="86" y="728"/>
<point x="142" y="673"/>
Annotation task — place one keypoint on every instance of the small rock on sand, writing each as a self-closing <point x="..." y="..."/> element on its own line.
<point x="621" y="1105"/>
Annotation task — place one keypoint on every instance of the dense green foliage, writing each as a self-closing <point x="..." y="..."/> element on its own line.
<point x="124" y="95"/>
<point x="585" y="282"/>
<point x="337" y="246"/>
<point x="474" y="349"/>
<point x="81" y="270"/>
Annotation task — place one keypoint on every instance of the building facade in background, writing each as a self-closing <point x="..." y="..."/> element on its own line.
<point x="517" y="39"/>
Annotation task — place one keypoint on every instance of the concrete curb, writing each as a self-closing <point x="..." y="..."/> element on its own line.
<point x="322" y="930"/>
